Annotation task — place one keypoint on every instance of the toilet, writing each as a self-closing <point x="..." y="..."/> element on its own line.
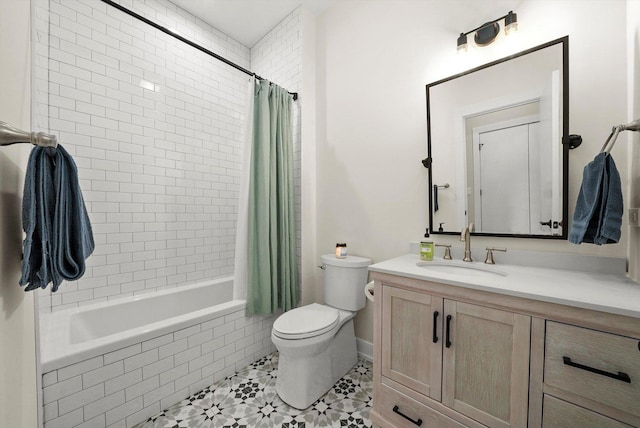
<point x="316" y="343"/>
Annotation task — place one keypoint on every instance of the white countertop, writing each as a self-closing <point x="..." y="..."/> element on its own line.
<point x="613" y="293"/>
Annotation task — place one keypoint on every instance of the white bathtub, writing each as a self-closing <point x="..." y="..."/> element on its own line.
<point x="73" y="335"/>
<point x="126" y="360"/>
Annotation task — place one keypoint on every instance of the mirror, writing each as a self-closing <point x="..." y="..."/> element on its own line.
<point x="495" y="146"/>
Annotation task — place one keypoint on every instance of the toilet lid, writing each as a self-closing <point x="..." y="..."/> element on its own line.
<point x="306" y="321"/>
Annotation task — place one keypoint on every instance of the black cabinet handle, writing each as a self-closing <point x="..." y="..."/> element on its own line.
<point x="435" y="327"/>
<point x="397" y="410"/>
<point x="621" y="376"/>
<point x="448" y="338"/>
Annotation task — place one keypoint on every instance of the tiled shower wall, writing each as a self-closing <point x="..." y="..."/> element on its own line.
<point x="154" y="126"/>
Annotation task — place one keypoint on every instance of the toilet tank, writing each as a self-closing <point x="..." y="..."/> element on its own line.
<point x="344" y="281"/>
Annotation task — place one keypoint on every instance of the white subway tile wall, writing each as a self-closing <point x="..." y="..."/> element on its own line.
<point x="127" y="386"/>
<point x="155" y="128"/>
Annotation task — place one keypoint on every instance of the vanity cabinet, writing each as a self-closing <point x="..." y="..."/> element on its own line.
<point x="467" y="359"/>
<point x="451" y="356"/>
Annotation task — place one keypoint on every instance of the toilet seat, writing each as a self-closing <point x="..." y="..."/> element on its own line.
<point x="307" y="321"/>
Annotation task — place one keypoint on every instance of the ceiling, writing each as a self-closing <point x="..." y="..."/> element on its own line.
<point x="247" y="21"/>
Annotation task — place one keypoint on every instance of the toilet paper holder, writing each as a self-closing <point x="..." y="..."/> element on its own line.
<point x="368" y="291"/>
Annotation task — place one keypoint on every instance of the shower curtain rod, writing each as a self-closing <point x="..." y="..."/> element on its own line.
<point x="187" y="41"/>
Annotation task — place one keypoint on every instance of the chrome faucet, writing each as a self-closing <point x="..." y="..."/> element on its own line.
<point x="465" y="236"/>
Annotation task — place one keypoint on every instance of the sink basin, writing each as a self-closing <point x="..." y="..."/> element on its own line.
<point x="466" y="269"/>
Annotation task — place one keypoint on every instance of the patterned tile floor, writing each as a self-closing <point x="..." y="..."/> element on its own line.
<point x="249" y="399"/>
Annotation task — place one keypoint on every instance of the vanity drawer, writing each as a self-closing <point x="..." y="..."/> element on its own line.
<point x="405" y="412"/>
<point x="599" y="366"/>
<point x="560" y="414"/>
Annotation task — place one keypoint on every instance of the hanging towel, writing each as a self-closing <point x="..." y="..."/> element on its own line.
<point x="54" y="217"/>
<point x="609" y="227"/>
<point x="597" y="217"/>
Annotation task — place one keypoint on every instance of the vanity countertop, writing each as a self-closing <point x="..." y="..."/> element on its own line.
<point x="613" y="293"/>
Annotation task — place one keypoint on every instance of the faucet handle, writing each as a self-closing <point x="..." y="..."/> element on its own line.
<point x="489" y="260"/>
<point x="447" y="251"/>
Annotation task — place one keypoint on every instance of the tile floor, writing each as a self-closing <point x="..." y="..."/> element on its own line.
<point x="249" y="399"/>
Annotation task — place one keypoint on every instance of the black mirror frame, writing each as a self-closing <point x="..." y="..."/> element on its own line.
<point x="564" y="41"/>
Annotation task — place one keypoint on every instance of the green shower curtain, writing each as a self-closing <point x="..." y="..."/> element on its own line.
<point x="272" y="230"/>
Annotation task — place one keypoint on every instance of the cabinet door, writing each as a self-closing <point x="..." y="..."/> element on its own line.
<point x="411" y="346"/>
<point x="486" y="364"/>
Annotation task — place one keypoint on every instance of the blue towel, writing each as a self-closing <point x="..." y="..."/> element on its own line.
<point x="609" y="229"/>
<point x="54" y="217"/>
<point x="597" y="218"/>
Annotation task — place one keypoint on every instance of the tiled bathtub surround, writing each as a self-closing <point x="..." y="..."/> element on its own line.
<point x="155" y="128"/>
<point x="124" y="387"/>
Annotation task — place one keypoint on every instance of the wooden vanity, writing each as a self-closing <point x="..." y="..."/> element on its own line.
<point x="448" y="353"/>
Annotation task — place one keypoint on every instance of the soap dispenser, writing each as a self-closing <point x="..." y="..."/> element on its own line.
<point x="426" y="248"/>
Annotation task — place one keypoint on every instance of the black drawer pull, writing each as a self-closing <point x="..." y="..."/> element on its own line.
<point x="448" y="338"/>
<point x="397" y="410"/>
<point x="435" y="327"/>
<point x="621" y="376"/>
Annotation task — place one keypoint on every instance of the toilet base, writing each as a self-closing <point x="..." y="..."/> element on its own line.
<point x="305" y="373"/>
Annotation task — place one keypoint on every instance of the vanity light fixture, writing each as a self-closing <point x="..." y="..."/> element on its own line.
<point x="487" y="32"/>
<point x="510" y="23"/>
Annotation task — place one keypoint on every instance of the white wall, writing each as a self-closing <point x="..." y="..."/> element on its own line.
<point x="18" y="390"/>
<point x="308" y="102"/>
<point x="374" y="60"/>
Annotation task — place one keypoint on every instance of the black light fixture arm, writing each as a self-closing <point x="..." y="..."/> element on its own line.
<point x="485" y="25"/>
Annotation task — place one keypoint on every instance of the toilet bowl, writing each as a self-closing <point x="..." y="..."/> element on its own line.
<point x="308" y="366"/>
<point x="316" y="342"/>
